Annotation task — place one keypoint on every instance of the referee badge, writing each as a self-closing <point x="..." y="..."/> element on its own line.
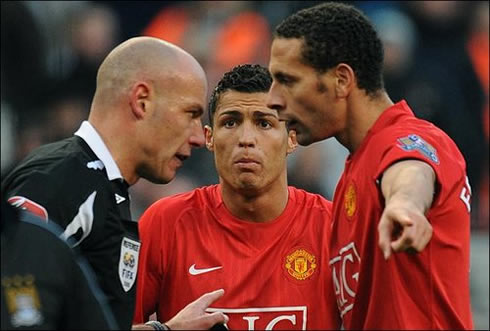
<point x="128" y="262"/>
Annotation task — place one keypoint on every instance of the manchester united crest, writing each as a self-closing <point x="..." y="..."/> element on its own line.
<point x="350" y="200"/>
<point x="300" y="264"/>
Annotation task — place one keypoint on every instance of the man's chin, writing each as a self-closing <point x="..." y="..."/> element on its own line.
<point x="159" y="178"/>
<point x="304" y="139"/>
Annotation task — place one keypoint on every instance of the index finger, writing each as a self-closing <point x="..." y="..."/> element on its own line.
<point x="385" y="229"/>
<point x="206" y="299"/>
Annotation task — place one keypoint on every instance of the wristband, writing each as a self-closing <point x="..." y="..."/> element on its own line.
<point x="157" y="325"/>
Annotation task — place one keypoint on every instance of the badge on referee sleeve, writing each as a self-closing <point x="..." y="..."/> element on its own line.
<point x="128" y="262"/>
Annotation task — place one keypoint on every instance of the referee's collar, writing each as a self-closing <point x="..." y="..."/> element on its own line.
<point x="88" y="133"/>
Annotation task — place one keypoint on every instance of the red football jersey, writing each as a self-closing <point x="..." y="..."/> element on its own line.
<point x="275" y="274"/>
<point x="429" y="290"/>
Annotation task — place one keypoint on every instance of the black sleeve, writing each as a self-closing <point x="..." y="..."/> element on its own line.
<point x="84" y="306"/>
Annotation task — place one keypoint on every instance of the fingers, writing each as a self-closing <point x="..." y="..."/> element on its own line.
<point x="415" y="234"/>
<point x="206" y="299"/>
<point x="405" y="241"/>
<point x="385" y="228"/>
<point x="214" y="318"/>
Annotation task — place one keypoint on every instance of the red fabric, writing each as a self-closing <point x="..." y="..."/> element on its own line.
<point x="196" y="229"/>
<point x="429" y="290"/>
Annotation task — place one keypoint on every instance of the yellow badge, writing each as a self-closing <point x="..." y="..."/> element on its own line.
<point x="350" y="200"/>
<point x="300" y="264"/>
<point x="23" y="301"/>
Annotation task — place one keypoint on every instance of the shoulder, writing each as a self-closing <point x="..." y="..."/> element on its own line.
<point x="304" y="199"/>
<point x="56" y="179"/>
<point x="171" y="208"/>
<point x="55" y="163"/>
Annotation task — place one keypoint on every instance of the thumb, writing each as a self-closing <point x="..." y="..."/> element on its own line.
<point x="385" y="228"/>
<point x="206" y="299"/>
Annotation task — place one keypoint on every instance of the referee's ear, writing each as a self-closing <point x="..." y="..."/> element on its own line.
<point x="140" y="99"/>
<point x="208" y="133"/>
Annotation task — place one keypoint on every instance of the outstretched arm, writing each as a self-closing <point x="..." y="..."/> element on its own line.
<point x="194" y="316"/>
<point x="408" y="188"/>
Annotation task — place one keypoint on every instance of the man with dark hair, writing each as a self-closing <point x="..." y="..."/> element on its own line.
<point x="403" y="177"/>
<point x="265" y="243"/>
<point x="144" y="120"/>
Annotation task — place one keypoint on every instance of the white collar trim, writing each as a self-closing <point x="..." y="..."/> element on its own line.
<point x="88" y="133"/>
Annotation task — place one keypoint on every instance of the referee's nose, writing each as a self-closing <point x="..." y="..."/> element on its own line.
<point x="196" y="138"/>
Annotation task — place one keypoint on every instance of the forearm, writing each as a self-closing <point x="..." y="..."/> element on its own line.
<point x="409" y="182"/>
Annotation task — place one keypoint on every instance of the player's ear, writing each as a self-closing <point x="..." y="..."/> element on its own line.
<point x="208" y="133"/>
<point x="344" y="80"/>
<point x="139" y="99"/>
<point x="292" y="142"/>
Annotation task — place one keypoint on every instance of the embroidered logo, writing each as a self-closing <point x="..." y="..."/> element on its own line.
<point x="414" y="142"/>
<point x="195" y="271"/>
<point x="300" y="264"/>
<point x="22" y="300"/>
<point x="128" y="262"/>
<point x="350" y="200"/>
<point x="119" y="198"/>
<point x="96" y="165"/>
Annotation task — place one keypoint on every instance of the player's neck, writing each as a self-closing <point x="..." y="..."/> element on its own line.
<point x="362" y="114"/>
<point x="261" y="205"/>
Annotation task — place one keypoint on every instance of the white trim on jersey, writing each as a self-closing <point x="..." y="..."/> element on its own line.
<point x="88" y="133"/>
<point x="286" y="309"/>
<point x="83" y="220"/>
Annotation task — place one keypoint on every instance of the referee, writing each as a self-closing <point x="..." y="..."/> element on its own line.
<point x="144" y="120"/>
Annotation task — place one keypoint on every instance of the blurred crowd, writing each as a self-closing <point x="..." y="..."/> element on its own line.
<point x="436" y="57"/>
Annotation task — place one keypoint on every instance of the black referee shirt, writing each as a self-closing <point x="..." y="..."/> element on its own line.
<point x="76" y="183"/>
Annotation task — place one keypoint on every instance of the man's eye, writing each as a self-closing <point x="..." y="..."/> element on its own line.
<point x="284" y="80"/>
<point x="265" y="124"/>
<point x="229" y="123"/>
<point x="195" y="113"/>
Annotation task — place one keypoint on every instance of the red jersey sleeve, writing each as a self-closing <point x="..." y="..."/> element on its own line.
<point x="425" y="143"/>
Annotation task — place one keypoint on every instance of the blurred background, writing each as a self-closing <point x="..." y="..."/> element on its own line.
<point x="436" y="57"/>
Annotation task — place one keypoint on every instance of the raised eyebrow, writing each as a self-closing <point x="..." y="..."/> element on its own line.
<point x="234" y="113"/>
<point x="260" y="114"/>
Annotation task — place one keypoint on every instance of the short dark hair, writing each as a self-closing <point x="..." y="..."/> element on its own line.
<point x="249" y="78"/>
<point x="336" y="33"/>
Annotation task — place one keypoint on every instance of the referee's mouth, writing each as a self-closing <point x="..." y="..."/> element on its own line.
<point x="182" y="157"/>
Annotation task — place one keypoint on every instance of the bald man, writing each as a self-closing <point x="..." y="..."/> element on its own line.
<point x="144" y="120"/>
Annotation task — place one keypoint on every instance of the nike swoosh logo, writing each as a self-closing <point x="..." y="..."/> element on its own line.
<point x="194" y="271"/>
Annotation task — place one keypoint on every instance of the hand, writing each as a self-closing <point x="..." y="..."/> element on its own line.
<point x="401" y="228"/>
<point x="194" y="316"/>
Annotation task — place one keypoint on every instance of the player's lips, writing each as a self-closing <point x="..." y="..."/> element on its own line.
<point x="247" y="163"/>
<point x="246" y="160"/>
